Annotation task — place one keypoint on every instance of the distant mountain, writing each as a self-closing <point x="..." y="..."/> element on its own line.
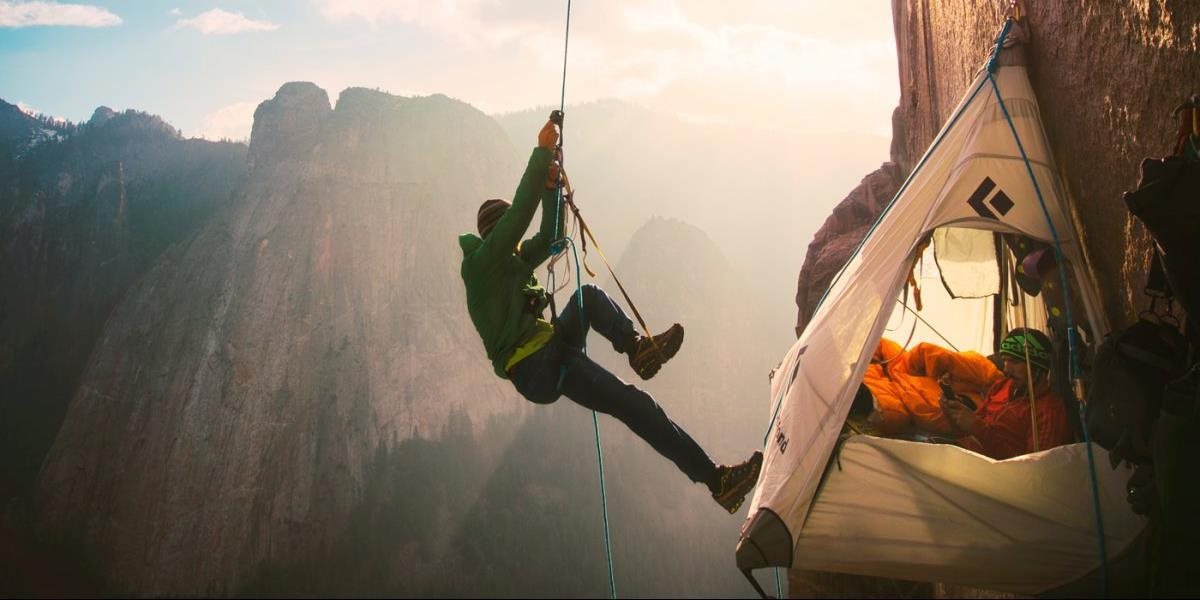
<point x="536" y="527"/>
<point x="839" y="237"/>
<point x="758" y="192"/>
<point x="675" y="272"/>
<point x="20" y="131"/>
<point x="513" y="508"/>
<point x="245" y="389"/>
<point x="293" y="400"/>
<point x="84" y="210"/>
<point x="716" y="388"/>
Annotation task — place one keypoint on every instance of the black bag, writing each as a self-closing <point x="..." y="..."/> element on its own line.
<point x="1167" y="201"/>
<point x="1128" y="375"/>
<point x="1163" y="434"/>
<point x="1176" y="452"/>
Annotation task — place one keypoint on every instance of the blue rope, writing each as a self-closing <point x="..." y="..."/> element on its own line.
<point x="557" y="247"/>
<point x="562" y="99"/>
<point x="562" y="109"/>
<point x="612" y="582"/>
<point x="562" y="105"/>
<point x="1071" y="343"/>
<point x="778" y="586"/>
<point x="992" y="61"/>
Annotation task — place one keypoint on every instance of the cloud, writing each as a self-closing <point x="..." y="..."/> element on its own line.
<point x="375" y="12"/>
<point x="755" y="56"/>
<point x="468" y="23"/>
<point x="232" y="122"/>
<point x="29" y="14"/>
<point x="175" y="12"/>
<point x="221" y="22"/>
<point x="800" y="65"/>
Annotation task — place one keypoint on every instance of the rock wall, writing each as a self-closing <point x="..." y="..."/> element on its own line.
<point x="293" y="400"/>
<point x="84" y="211"/>
<point x="1107" y="76"/>
<point x="839" y="236"/>
<point x="239" y="390"/>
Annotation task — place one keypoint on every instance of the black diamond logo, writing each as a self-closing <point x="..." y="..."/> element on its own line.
<point x="1000" y="201"/>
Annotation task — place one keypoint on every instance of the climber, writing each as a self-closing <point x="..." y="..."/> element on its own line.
<point x="544" y="359"/>
<point x="907" y="397"/>
<point x="1001" y="427"/>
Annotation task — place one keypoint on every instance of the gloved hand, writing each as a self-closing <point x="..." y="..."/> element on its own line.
<point x="548" y="136"/>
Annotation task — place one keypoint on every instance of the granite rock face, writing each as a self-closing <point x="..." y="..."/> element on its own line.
<point x="237" y="393"/>
<point x="84" y="211"/>
<point x="840" y="235"/>
<point x="1107" y="76"/>
<point x="294" y="401"/>
<point x="287" y="126"/>
<point x="513" y="509"/>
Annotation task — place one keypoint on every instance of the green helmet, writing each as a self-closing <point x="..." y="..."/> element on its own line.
<point x="1041" y="351"/>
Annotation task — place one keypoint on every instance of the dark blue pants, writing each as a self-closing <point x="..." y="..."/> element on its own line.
<point x="538" y="377"/>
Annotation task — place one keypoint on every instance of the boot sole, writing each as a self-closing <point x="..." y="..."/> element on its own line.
<point x="668" y="349"/>
<point x="739" y="491"/>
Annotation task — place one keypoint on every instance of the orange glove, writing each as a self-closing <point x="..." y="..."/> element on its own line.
<point x="548" y="136"/>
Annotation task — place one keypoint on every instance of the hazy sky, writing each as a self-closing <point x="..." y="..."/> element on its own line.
<point x="802" y="65"/>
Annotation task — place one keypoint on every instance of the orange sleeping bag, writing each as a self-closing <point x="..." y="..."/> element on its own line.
<point x="905" y="387"/>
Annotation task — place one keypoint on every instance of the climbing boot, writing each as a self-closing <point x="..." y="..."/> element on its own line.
<point x="647" y="355"/>
<point x="733" y="482"/>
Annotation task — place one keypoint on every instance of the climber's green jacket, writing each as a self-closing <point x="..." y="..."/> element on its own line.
<point x="504" y="298"/>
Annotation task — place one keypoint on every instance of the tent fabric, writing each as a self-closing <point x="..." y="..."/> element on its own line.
<point x="972" y="316"/>
<point x="961" y="517"/>
<point x="966" y="260"/>
<point x="973" y="176"/>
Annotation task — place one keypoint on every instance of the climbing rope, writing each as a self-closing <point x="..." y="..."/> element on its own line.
<point x="612" y="584"/>
<point x="1071" y="334"/>
<point x="557" y="247"/>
